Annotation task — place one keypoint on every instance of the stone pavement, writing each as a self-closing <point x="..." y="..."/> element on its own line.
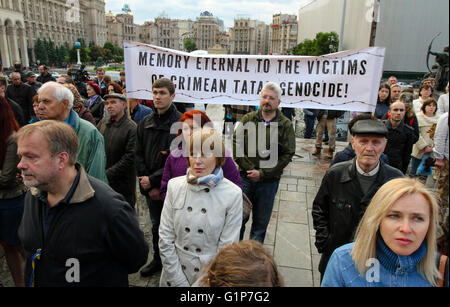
<point x="290" y="234"/>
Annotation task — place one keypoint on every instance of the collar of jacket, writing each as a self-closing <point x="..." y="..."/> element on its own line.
<point x="160" y="118"/>
<point x="73" y="120"/>
<point x="277" y="117"/>
<point x="350" y="171"/>
<point x="117" y="122"/>
<point x="390" y="128"/>
<point x="82" y="192"/>
<point x="397" y="263"/>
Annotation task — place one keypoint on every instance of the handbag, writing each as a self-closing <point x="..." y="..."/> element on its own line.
<point x="246" y="206"/>
<point x="424" y="168"/>
<point x="443" y="269"/>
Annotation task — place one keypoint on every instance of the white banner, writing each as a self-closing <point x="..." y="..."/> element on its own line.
<point x="347" y="80"/>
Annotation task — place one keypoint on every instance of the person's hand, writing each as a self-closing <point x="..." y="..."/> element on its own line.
<point x="439" y="163"/>
<point x="428" y="149"/>
<point x="254" y="175"/>
<point x="154" y="194"/>
<point x="144" y="181"/>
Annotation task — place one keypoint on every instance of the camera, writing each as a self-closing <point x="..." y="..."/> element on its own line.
<point x="79" y="75"/>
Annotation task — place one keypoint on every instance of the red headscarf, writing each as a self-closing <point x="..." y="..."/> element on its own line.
<point x="96" y="88"/>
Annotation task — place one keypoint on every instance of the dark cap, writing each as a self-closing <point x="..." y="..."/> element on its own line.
<point x="30" y="74"/>
<point x="116" y="95"/>
<point x="369" y="127"/>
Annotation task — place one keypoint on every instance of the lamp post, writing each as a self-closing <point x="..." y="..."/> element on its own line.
<point x="78" y="45"/>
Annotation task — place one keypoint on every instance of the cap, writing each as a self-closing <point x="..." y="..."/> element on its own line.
<point x="369" y="127"/>
<point x="116" y="95"/>
<point x="30" y="74"/>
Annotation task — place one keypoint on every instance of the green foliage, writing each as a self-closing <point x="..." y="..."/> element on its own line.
<point x="99" y="62"/>
<point x="323" y="43"/>
<point x="47" y="53"/>
<point x="189" y="45"/>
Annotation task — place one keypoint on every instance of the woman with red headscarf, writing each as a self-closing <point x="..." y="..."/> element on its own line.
<point x="95" y="101"/>
<point x="12" y="193"/>
<point x="176" y="164"/>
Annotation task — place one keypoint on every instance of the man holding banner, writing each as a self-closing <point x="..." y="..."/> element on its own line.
<point x="261" y="168"/>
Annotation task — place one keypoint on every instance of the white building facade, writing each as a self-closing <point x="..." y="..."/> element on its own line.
<point x="404" y="27"/>
<point x="61" y="21"/>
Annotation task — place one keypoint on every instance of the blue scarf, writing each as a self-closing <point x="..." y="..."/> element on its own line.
<point x="210" y="180"/>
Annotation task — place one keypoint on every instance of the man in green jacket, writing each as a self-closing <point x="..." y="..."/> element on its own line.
<point x="264" y="144"/>
<point x="55" y="102"/>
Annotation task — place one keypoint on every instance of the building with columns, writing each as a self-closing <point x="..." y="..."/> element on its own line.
<point x="23" y="22"/>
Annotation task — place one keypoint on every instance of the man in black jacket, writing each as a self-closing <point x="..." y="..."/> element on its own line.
<point x="45" y="74"/>
<point x="75" y="230"/>
<point x="152" y="149"/>
<point x="348" y="187"/>
<point x="119" y="133"/>
<point x="401" y="137"/>
<point x="22" y="94"/>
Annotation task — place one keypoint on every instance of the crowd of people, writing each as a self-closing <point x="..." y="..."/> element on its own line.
<point x="73" y="157"/>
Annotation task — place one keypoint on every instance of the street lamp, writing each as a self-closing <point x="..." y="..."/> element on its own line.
<point x="78" y="45"/>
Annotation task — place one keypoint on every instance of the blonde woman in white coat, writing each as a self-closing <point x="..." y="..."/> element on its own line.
<point x="202" y="213"/>
<point x="427" y="119"/>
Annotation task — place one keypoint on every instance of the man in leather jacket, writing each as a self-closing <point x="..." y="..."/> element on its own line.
<point x="348" y="187"/>
<point x="152" y="149"/>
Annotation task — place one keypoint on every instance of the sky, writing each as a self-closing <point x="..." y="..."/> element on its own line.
<point x="227" y="10"/>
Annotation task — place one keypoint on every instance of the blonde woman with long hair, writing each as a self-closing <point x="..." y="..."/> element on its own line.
<point x="395" y="243"/>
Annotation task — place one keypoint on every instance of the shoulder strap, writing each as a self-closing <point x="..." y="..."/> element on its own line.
<point x="442" y="264"/>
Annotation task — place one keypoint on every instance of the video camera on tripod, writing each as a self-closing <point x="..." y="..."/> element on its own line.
<point x="79" y="75"/>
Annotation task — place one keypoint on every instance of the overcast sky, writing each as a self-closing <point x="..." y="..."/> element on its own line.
<point x="227" y="10"/>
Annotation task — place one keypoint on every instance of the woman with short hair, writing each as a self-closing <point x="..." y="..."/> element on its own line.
<point x="395" y="243"/>
<point x="427" y="118"/>
<point x="202" y="213"/>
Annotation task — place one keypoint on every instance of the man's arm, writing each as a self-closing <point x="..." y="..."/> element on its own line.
<point x="127" y="160"/>
<point x="126" y="240"/>
<point x="320" y="214"/>
<point x="240" y="140"/>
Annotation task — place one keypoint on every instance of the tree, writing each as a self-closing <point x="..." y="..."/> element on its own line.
<point x="96" y="52"/>
<point x="41" y="52"/>
<point x="189" y="45"/>
<point x="323" y="43"/>
<point x="99" y="62"/>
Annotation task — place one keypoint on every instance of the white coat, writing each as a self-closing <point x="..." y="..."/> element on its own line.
<point x="196" y="222"/>
<point x="425" y="124"/>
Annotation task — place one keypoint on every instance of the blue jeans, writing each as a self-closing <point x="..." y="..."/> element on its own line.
<point x="414" y="165"/>
<point x="309" y="126"/>
<point x="262" y="196"/>
<point x="155" y="208"/>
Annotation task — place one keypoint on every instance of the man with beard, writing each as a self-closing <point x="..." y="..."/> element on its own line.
<point x="261" y="167"/>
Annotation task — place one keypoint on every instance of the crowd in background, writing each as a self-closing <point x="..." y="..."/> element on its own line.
<point x="197" y="202"/>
